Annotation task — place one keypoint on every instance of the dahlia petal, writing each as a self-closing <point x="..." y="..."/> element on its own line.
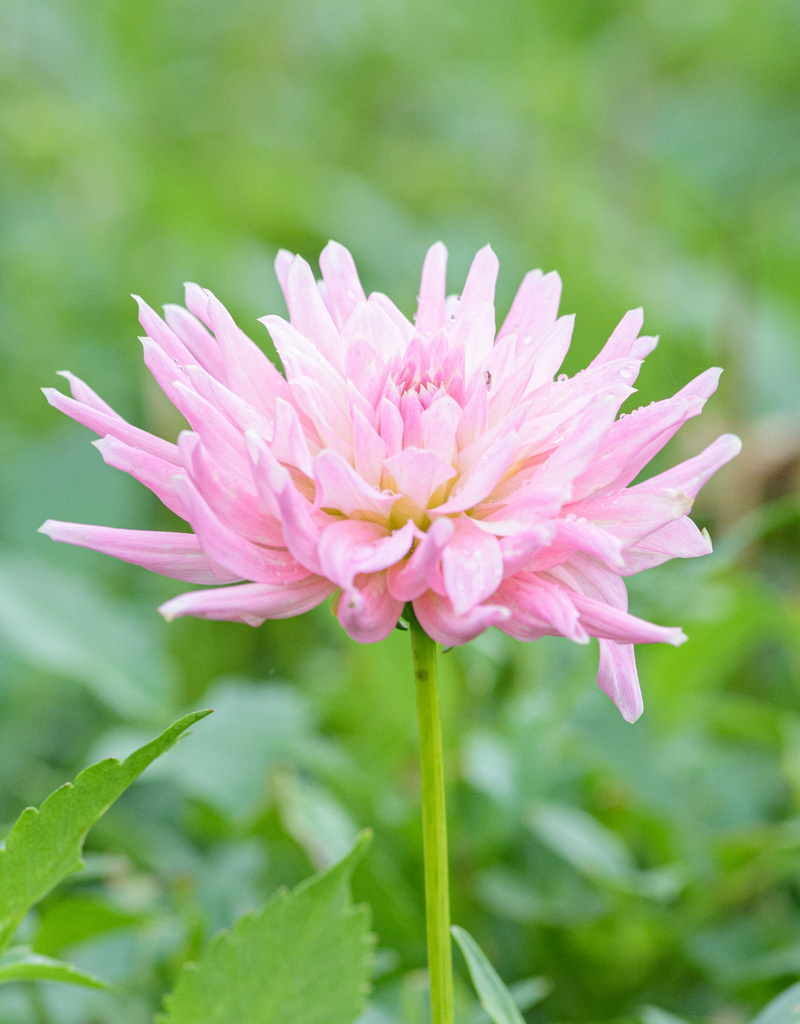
<point x="247" y="560"/>
<point x="401" y="322"/>
<point x="340" y="487"/>
<point x="350" y="547"/>
<point x="480" y="284"/>
<point x="308" y="312"/>
<point x="618" y="679"/>
<point x="367" y="610"/>
<point x="341" y="280"/>
<point x="607" y="623"/>
<point x="694" y="473"/>
<point x="472" y="566"/>
<point x="370" y="322"/>
<point x="164" y="370"/>
<point x="576" y="453"/>
<point x="200" y="342"/>
<point x="241" y="414"/>
<point x="248" y="371"/>
<point x="681" y="539"/>
<point x="289" y="444"/>
<point x="623" y="338"/>
<point x="633" y="441"/>
<point x="369" y="450"/>
<point x="330" y="418"/>
<point x="105" y="424"/>
<point x="155" y="473"/>
<point x="474" y="417"/>
<point x="177" y="555"/>
<point x="418" y="473"/>
<point x="571" y="536"/>
<point x="436" y="616"/>
<point x="196" y="301"/>
<point x="534" y="309"/>
<point x="300" y="522"/>
<point x="519" y="549"/>
<point x="283" y="260"/>
<point x="631" y="514"/>
<point x="551" y="352"/>
<point x="223" y="442"/>
<point x="439" y="425"/>
<point x="390" y="426"/>
<point x="161" y="334"/>
<point x="251" y="603"/>
<point x="536" y="604"/>
<point x="410" y="580"/>
<point x="235" y="506"/>
<point x="482" y="477"/>
<point x="82" y="393"/>
<point x="432" y="290"/>
<point x="474" y="335"/>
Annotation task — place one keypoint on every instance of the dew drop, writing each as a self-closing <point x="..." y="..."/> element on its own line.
<point x="562" y="377"/>
<point x="622" y="415"/>
<point x="625" y="373"/>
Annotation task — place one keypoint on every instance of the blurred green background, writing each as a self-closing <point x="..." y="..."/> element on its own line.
<point x="648" y="151"/>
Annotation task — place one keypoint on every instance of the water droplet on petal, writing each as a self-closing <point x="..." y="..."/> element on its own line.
<point x="562" y="377"/>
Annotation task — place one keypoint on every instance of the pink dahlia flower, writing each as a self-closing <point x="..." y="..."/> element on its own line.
<point x="436" y="461"/>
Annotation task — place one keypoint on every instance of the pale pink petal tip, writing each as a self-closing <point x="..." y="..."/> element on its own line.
<point x="437" y="461"/>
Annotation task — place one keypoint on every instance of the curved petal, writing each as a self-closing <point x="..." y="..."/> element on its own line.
<point x="472" y="565"/>
<point x="618" y="679"/>
<point x="411" y="580"/>
<point x="250" y="603"/>
<point x="367" y="610"/>
<point x="177" y="555"/>
<point x="155" y="473"/>
<point x="436" y="616"/>
<point x="247" y="560"/>
<point x="351" y="547"/>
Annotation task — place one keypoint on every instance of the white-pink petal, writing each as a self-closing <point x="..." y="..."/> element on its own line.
<point x="251" y="603"/>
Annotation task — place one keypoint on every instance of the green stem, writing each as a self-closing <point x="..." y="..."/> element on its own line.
<point x="434" y="826"/>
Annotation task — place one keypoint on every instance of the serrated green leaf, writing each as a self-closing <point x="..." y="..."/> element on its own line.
<point x="45" y="844"/>
<point x="305" y="958"/>
<point x="20" y="963"/>
<point x="784" y="1009"/>
<point x="492" y="993"/>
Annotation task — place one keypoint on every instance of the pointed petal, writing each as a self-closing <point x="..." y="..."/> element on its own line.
<point x="430" y="305"/>
<point x="484" y="475"/>
<point x="102" y="423"/>
<point x="177" y="555"/>
<point x="233" y="505"/>
<point x="618" y="679"/>
<point x="480" y="284"/>
<point x="681" y="539"/>
<point x="341" y="280"/>
<point x="694" y="473"/>
<point x="200" y="342"/>
<point x="301" y="524"/>
<point x="534" y="309"/>
<point x="247" y="560"/>
<point x="250" y="603"/>
<point x="308" y="312"/>
<point x="155" y="473"/>
<point x="623" y="338"/>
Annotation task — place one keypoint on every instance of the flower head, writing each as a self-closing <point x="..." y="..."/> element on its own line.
<point x="438" y="462"/>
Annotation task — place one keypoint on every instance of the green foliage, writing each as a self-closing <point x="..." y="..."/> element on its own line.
<point x="20" y="963"/>
<point x="494" y="997"/>
<point x="784" y="1009"/>
<point x="306" y="958"/>
<point x="44" y="845"/>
